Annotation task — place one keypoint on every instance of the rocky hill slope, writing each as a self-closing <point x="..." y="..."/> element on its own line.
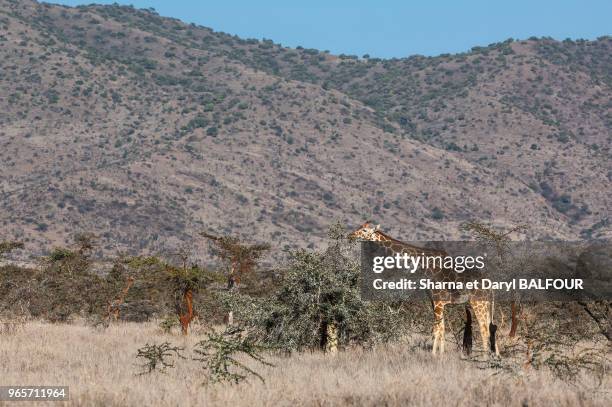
<point x="146" y="130"/>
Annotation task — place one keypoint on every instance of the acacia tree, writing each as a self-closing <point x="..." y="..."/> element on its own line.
<point x="180" y="282"/>
<point x="65" y="282"/>
<point x="73" y="259"/>
<point x="6" y="247"/>
<point x="240" y="258"/>
<point x="597" y="259"/>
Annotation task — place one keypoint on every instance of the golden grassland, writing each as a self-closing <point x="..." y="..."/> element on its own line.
<point x="101" y="369"/>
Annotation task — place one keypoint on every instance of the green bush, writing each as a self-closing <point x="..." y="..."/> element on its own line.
<point x="437" y="214"/>
<point x="218" y="354"/>
<point x="158" y="357"/>
<point x="318" y="289"/>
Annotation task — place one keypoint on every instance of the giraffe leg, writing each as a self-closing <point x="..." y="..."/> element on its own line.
<point x="438" y="328"/>
<point x="483" y="316"/>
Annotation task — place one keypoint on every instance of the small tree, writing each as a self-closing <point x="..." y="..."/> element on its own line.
<point x="185" y="281"/>
<point x="65" y="282"/>
<point x="218" y="353"/>
<point x="180" y="282"/>
<point x="72" y="259"/>
<point x="240" y="258"/>
<point x="158" y="357"/>
<point x="85" y="243"/>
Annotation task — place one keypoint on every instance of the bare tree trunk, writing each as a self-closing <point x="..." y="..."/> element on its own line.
<point x="514" y="325"/>
<point x="113" y="306"/>
<point x="231" y="286"/>
<point x="187" y="315"/>
<point x="529" y="356"/>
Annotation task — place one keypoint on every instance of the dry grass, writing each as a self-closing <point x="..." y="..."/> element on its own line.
<point x="100" y="366"/>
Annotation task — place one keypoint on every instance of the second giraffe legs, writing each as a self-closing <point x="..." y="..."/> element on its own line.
<point x="483" y="316"/>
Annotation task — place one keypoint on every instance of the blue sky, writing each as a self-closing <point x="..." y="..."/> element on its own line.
<point x="389" y="28"/>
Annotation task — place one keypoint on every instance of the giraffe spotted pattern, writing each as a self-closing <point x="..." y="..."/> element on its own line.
<point x="479" y="300"/>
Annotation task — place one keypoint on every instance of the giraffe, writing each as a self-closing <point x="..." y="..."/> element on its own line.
<point x="113" y="306"/>
<point x="479" y="300"/>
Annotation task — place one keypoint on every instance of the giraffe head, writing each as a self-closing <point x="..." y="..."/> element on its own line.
<point x="367" y="231"/>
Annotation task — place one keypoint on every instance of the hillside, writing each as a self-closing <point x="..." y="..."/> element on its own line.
<point x="146" y="130"/>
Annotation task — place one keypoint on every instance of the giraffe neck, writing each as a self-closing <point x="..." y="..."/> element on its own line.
<point x="397" y="246"/>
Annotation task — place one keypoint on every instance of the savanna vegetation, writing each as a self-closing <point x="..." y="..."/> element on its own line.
<point x="119" y="121"/>
<point x="241" y="323"/>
